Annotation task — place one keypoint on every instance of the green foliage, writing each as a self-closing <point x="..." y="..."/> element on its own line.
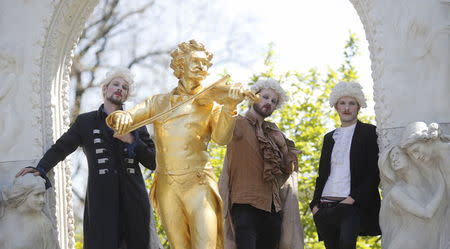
<point x="160" y="230"/>
<point x="78" y="236"/>
<point x="78" y="245"/>
<point x="351" y="50"/>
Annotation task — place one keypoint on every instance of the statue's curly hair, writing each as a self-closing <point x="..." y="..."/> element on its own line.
<point x="419" y="131"/>
<point x="180" y="53"/>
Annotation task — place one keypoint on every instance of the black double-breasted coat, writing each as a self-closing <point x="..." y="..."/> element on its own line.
<point x="117" y="208"/>
<point x="364" y="173"/>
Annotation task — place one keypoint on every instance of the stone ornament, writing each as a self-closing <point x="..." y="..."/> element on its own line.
<point x="23" y="224"/>
<point x="415" y="176"/>
<point x="13" y="138"/>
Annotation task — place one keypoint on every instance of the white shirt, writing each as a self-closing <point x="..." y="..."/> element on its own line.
<point x="338" y="183"/>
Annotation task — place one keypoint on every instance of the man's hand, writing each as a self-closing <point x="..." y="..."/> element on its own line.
<point x="349" y="200"/>
<point x="25" y="171"/>
<point x="314" y="210"/>
<point x="126" y="138"/>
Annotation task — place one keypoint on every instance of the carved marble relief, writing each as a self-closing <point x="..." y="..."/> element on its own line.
<point x="23" y="224"/>
<point x="415" y="175"/>
<point x="10" y="100"/>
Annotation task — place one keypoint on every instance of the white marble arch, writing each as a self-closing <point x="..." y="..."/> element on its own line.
<point x="43" y="35"/>
<point x="408" y="42"/>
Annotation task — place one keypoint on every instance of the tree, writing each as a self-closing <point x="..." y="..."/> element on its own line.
<point x="305" y="120"/>
<point x="139" y="34"/>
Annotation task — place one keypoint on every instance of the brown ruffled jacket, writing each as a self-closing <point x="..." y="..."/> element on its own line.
<point x="276" y="168"/>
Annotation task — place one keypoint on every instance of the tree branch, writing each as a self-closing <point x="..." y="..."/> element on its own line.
<point x="146" y="55"/>
<point x="103" y="30"/>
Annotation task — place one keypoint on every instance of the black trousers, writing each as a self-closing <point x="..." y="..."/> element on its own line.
<point x="256" y="228"/>
<point x="338" y="225"/>
<point x="134" y="221"/>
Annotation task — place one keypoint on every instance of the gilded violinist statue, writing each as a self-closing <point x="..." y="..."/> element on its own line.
<point x="185" y="191"/>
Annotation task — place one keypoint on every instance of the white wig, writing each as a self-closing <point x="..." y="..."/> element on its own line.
<point x="273" y="84"/>
<point x="347" y="89"/>
<point x="121" y="72"/>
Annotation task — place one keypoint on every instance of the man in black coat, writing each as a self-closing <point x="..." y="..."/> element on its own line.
<point x="117" y="208"/>
<point x="346" y="200"/>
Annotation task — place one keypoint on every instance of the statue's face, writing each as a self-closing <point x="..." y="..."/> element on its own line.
<point x="35" y="200"/>
<point x="420" y="152"/>
<point x="195" y="69"/>
<point x="398" y="159"/>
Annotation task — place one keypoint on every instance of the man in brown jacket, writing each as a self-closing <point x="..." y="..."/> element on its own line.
<point x="256" y="184"/>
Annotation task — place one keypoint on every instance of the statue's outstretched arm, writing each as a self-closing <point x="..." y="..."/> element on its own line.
<point x="222" y="125"/>
<point x="123" y="122"/>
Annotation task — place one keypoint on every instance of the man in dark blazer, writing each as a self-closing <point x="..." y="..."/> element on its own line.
<point x="346" y="200"/>
<point x="117" y="208"/>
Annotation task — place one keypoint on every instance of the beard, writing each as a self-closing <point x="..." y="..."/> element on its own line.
<point x="115" y="101"/>
<point x="261" y="112"/>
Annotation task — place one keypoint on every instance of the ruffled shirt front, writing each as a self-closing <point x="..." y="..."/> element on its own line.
<point x="257" y="168"/>
<point x="270" y="151"/>
<point x="338" y="183"/>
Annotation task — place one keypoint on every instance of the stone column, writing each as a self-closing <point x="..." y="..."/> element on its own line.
<point x="409" y="45"/>
<point x="36" y="45"/>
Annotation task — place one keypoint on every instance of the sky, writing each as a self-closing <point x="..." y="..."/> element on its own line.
<point x="308" y="34"/>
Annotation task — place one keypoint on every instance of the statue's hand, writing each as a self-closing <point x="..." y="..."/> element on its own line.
<point x="235" y="95"/>
<point x="27" y="170"/>
<point x="119" y="121"/>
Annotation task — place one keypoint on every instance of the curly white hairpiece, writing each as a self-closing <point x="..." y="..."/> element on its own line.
<point x="122" y="72"/>
<point x="350" y="89"/>
<point x="264" y="82"/>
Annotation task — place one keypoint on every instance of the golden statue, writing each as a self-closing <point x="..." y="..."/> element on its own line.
<point x="185" y="191"/>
